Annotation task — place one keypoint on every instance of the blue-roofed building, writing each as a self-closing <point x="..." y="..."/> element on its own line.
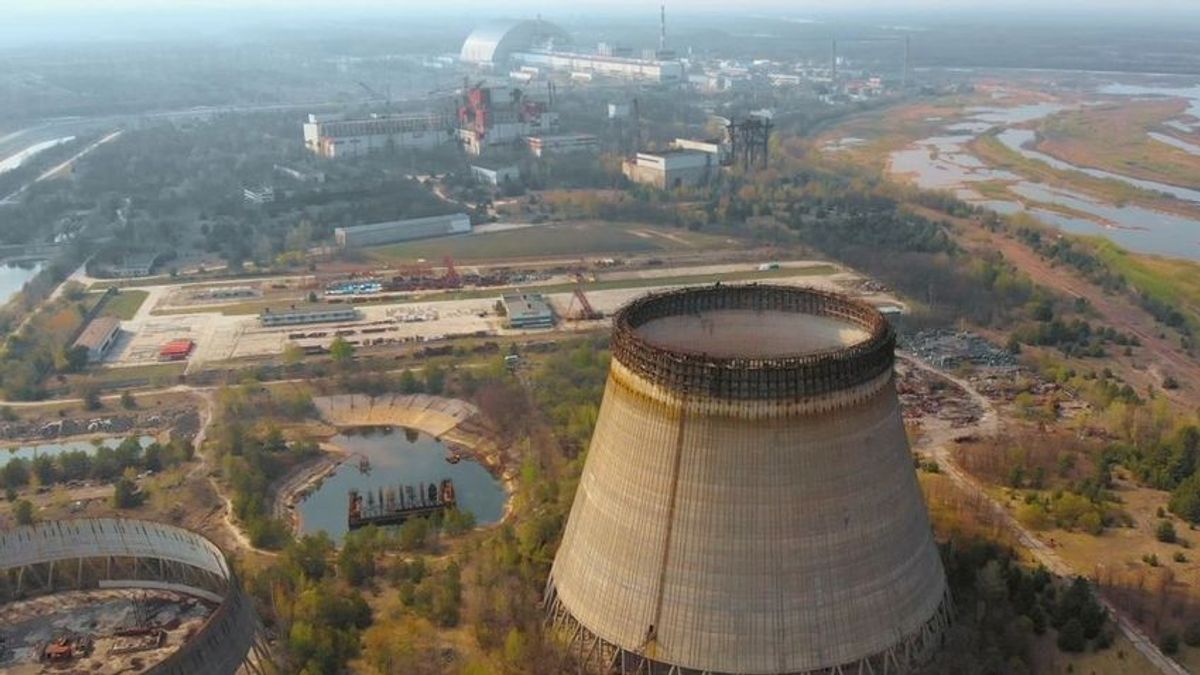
<point x="528" y="310"/>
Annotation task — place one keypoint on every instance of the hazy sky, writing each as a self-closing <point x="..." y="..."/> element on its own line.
<point x="555" y="6"/>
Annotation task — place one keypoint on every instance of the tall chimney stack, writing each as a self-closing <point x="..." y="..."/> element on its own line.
<point x="662" y="28"/>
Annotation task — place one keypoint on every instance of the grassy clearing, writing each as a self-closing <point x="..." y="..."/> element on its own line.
<point x="568" y="239"/>
<point x="1170" y="280"/>
<point x="1114" y="138"/>
<point x="154" y="373"/>
<point x="248" y="308"/>
<point x="125" y="304"/>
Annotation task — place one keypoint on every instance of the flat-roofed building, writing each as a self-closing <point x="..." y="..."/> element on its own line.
<point x="528" y="310"/>
<point x="295" y="316"/>
<point x="333" y="137"/>
<point x="712" y="146"/>
<point x="393" y="231"/>
<point x="670" y="169"/>
<point x="259" y="195"/>
<point x="625" y="68"/>
<point x="99" y="336"/>
<point x="496" y="175"/>
<point x="176" y="350"/>
<point x="133" y="265"/>
<point x="558" y="144"/>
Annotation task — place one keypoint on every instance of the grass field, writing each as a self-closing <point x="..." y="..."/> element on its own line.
<point x="566" y="239"/>
<point x="165" y="374"/>
<point x="1167" y="279"/>
<point x="125" y="304"/>
<point x="1114" y="138"/>
<point x="886" y="131"/>
<point x="248" y="308"/>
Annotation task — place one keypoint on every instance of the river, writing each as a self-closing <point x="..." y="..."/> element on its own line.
<point x="28" y="452"/>
<point x="13" y="278"/>
<point x="944" y="162"/>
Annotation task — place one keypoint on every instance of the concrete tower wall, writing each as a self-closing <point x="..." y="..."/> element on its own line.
<point x="742" y="533"/>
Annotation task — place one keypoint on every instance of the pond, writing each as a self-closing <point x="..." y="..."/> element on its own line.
<point x="28" y="452"/>
<point x="397" y="456"/>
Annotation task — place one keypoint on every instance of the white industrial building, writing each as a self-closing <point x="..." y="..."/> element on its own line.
<point x="496" y="175"/>
<point x="670" y="169"/>
<point x="712" y="146"/>
<point x="505" y="129"/>
<point x="543" y="45"/>
<point x="625" y="68"/>
<point x="333" y="136"/>
<point x="560" y="144"/>
<point x="99" y="336"/>
<point x="393" y="231"/>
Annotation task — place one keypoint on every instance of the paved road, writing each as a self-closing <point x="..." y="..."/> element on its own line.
<point x="989" y="425"/>
<point x="60" y="167"/>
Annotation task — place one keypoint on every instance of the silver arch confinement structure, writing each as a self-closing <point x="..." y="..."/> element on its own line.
<point x="749" y="503"/>
<point x="492" y="43"/>
<point x="86" y="554"/>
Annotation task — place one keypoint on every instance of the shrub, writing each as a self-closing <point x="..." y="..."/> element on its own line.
<point x="1165" y="532"/>
<point x="1191" y="634"/>
<point x="1170" y="644"/>
<point x="23" y="512"/>
<point x="1070" y="637"/>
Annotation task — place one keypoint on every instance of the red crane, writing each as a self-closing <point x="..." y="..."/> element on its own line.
<point x="452" y="280"/>
<point x="585" y="312"/>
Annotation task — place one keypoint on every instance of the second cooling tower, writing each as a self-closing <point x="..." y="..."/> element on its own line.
<point x="749" y="503"/>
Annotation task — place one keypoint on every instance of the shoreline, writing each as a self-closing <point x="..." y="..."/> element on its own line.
<point x="294" y="486"/>
<point x="8" y="445"/>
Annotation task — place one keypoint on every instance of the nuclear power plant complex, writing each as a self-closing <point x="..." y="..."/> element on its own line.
<point x="749" y="503"/>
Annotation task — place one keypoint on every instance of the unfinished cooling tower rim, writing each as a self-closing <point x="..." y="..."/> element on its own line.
<point x="803" y="374"/>
<point x="90" y="553"/>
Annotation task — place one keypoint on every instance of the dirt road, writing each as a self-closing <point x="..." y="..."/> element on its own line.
<point x="938" y="440"/>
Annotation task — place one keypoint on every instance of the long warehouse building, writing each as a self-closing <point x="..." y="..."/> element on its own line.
<point x="540" y="44"/>
<point x="334" y="136"/>
<point x="390" y="232"/>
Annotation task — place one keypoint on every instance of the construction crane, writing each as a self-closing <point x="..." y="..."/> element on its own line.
<point x="375" y="95"/>
<point x="585" y="311"/>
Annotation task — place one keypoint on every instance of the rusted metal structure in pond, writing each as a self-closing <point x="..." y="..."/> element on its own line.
<point x="749" y="503"/>
<point x="395" y="505"/>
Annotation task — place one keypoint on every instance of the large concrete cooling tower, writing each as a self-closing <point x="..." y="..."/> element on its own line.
<point x="749" y="503"/>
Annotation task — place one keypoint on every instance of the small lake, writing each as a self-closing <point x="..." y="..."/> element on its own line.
<point x="28" y="452"/>
<point x="398" y="457"/>
<point x="13" y="278"/>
